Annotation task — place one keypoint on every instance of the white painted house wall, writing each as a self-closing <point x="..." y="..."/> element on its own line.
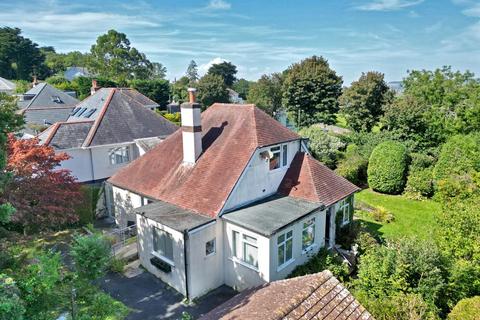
<point x="205" y="272"/>
<point x="123" y="204"/>
<point x="258" y="181"/>
<point x="93" y="163"/>
<point x="175" y="278"/>
<point x="238" y="274"/>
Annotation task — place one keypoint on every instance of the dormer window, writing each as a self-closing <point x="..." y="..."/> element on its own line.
<point x="275" y="158"/>
<point x="56" y="99"/>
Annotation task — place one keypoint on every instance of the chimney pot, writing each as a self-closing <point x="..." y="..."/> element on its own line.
<point x="35" y="81"/>
<point x="94" y="87"/>
<point x="191" y="94"/>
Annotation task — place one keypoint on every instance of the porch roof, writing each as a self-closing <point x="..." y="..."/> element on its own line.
<point x="271" y="214"/>
<point x="172" y="216"/>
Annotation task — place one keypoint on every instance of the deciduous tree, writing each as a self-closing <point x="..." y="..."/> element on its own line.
<point x="311" y="91"/>
<point x="192" y="72"/>
<point x="266" y="93"/>
<point x="157" y="90"/>
<point x="226" y="70"/>
<point x="211" y="89"/>
<point x="363" y="101"/>
<point x="43" y="195"/>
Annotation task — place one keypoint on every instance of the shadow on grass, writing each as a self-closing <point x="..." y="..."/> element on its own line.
<point x="373" y="227"/>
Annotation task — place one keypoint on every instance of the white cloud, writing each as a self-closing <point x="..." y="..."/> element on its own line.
<point x="203" y="68"/>
<point x="473" y="11"/>
<point x="219" y="5"/>
<point x="388" y="5"/>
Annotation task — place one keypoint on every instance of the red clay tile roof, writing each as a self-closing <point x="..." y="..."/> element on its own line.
<point x="315" y="296"/>
<point x="310" y="180"/>
<point x="231" y="133"/>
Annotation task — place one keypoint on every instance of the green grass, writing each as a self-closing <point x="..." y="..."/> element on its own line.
<point x="412" y="217"/>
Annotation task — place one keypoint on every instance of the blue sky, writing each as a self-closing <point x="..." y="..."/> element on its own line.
<point x="264" y="36"/>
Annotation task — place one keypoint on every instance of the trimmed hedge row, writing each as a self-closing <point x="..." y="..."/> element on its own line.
<point x="387" y="167"/>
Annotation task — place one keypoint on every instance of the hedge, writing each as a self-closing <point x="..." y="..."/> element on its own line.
<point x="459" y="155"/>
<point x="353" y="167"/>
<point x="466" y="309"/>
<point x="387" y="166"/>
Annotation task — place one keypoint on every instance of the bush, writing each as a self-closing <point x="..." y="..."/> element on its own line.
<point x="419" y="183"/>
<point x="86" y="210"/>
<point x="380" y="214"/>
<point x="353" y="167"/>
<point x="100" y="306"/>
<point x="324" y="147"/>
<point x="91" y="255"/>
<point x="117" y="265"/>
<point x="466" y="309"/>
<point x="387" y="166"/>
<point x="11" y="305"/>
<point x="324" y="259"/>
<point x="459" y="155"/>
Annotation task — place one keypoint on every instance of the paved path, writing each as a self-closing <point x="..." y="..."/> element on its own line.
<point x="149" y="298"/>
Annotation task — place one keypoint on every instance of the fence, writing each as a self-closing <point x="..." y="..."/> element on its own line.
<point x="122" y="237"/>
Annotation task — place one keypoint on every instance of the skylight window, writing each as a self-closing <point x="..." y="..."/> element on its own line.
<point x="81" y="111"/>
<point x="89" y="113"/>
<point x="75" y="111"/>
<point x="56" y="99"/>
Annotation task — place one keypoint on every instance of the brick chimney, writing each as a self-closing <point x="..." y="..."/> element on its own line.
<point x="191" y="128"/>
<point x="35" y="81"/>
<point x="94" y="87"/>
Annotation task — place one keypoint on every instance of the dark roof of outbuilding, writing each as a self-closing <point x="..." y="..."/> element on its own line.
<point x="230" y="135"/>
<point x="172" y="216"/>
<point x="269" y="215"/>
<point x="315" y="296"/>
<point x="309" y="179"/>
<point x="117" y="115"/>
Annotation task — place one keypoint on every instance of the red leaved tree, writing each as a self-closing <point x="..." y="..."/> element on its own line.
<point x="43" y="195"/>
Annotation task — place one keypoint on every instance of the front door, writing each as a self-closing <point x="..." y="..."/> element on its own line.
<point x="327" y="228"/>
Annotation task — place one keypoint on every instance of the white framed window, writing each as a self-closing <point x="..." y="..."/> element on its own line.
<point x="284" y="155"/>
<point x="210" y="247"/>
<point x="344" y="209"/>
<point x="308" y="233"/>
<point x="285" y="248"/>
<point x="163" y="244"/>
<point x="119" y="155"/>
<point x="275" y="159"/>
<point x="245" y="248"/>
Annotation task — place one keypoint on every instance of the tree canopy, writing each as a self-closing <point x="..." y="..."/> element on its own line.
<point x="363" y="101"/>
<point x="211" y="89"/>
<point x="20" y="58"/>
<point x="266" y="93"/>
<point x="311" y="91"/>
<point x="192" y="72"/>
<point x="226" y="70"/>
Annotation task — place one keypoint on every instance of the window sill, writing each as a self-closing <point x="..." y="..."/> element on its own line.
<point x="159" y="256"/>
<point x="286" y="264"/>
<point x="246" y="265"/>
<point x="309" y="248"/>
<point x="210" y="254"/>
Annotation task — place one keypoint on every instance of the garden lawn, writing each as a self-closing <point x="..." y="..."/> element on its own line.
<point x="412" y="217"/>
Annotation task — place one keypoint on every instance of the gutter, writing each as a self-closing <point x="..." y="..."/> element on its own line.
<point x="185" y="251"/>
<point x="91" y="164"/>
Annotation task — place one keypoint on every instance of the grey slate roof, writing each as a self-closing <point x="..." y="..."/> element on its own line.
<point x="118" y="115"/>
<point x="45" y="97"/>
<point x="7" y="85"/>
<point x="172" y="216"/>
<point x="271" y="214"/>
<point x="66" y="135"/>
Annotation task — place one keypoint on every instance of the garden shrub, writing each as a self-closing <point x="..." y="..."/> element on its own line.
<point x="459" y="155"/>
<point x="98" y="305"/>
<point x="117" y="265"/>
<point x="353" y="167"/>
<point x="11" y="305"/>
<point x="323" y="260"/>
<point x="380" y="214"/>
<point x="86" y="210"/>
<point x="466" y="309"/>
<point x="387" y="166"/>
<point x="91" y="255"/>
<point x="419" y="183"/>
<point x="324" y="147"/>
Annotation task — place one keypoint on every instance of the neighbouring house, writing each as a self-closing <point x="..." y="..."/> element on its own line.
<point x="314" y="296"/>
<point x="75" y="72"/>
<point x="42" y="106"/>
<point x="234" y="97"/>
<point x="233" y="198"/>
<point x="7" y="86"/>
<point x="173" y="107"/>
<point x="106" y="131"/>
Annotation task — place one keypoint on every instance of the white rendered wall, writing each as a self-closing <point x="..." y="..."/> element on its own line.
<point x="124" y="202"/>
<point x="258" y="181"/>
<point x="299" y="256"/>
<point x="175" y="278"/>
<point x="205" y="272"/>
<point x="239" y="275"/>
<point x="79" y="164"/>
